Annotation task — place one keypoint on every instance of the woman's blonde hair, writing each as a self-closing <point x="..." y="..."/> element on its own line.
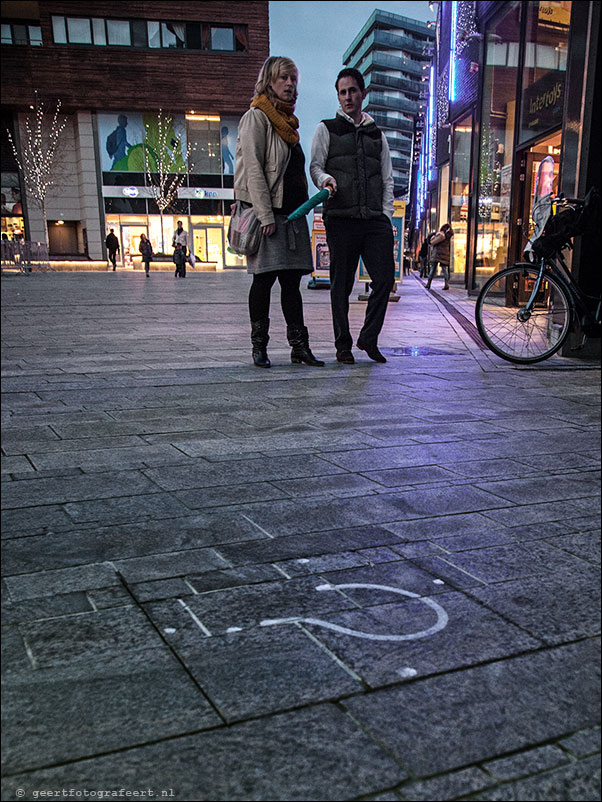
<point x="270" y="70"/>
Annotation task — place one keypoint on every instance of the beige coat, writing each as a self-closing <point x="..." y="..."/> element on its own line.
<point x="262" y="157"/>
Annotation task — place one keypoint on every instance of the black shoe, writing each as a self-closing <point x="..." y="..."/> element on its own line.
<point x="298" y="339"/>
<point x="259" y="340"/>
<point x="346" y="357"/>
<point x="372" y="351"/>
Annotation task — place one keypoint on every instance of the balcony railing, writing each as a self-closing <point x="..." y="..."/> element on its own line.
<point x="380" y="100"/>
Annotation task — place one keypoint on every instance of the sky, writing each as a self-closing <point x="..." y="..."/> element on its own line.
<point x="315" y="35"/>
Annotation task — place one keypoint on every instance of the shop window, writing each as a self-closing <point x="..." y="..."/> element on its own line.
<point x="460" y="192"/>
<point x="544" y="72"/>
<point x="496" y="146"/>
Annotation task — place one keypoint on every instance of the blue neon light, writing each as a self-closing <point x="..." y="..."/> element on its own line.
<point x="452" y="51"/>
<point x="431" y="121"/>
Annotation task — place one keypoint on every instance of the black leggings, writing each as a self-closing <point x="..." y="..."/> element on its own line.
<point x="290" y="295"/>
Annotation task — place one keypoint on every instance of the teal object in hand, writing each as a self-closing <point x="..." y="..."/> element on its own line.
<point x="306" y="207"/>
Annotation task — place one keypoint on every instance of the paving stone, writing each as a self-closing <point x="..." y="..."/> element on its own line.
<point x="160" y="589"/>
<point x="160" y="566"/>
<point x="59" y="714"/>
<point x="63" y="604"/>
<point x="548" y="488"/>
<point x="400" y="477"/>
<point x="264" y="670"/>
<point x="579" y="782"/>
<point x="327" y="562"/>
<point x="303" y="761"/>
<point x="582" y="544"/>
<point x="233" y="577"/>
<point x="307" y="545"/>
<point x="556" y="608"/>
<point x="53" y="491"/>
<point x="434" y="527"/>
<point x="506" y="563"/>
<point x="51" y="583"/>
<point x="247" y="606"/>
<point x="448" y="786"/>
<point x="97" y="544"/>
<point x="126" y="508"/>
<point x="240" y="472"/>
<point x="15" y="465"/>
<point x="477" y="469"/>
<point x="106" y="459"/>
<point x="34" y="521"/>
<point x="525" y="763"/>
<point x="226" y="495"/>
<point x="584" y="743"/>
<point x="469" y="635"/>
<point x="496" y="708"/>
<point x="537" y="513"/>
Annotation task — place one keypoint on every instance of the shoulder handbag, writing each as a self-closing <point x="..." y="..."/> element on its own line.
<point x="244" y="231"/>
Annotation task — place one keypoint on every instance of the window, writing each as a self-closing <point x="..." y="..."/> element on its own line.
<point x="59" y="32"/>
<point x="16" y="34"/>
<point x="134" y="33"/>
<point x="118" y="32"/>
<point x="222" y="39"/>
<point x="79" y="31"/>
<point x="99" y="32"/>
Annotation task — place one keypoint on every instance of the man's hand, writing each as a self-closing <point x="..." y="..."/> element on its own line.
<point x="267" y="231"/>
<point x="330" y="182"/>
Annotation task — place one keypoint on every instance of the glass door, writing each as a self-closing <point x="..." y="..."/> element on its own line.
<point x="130" y="244"/>
<point x="208" y="246"/>
<point x="199" y="238"/>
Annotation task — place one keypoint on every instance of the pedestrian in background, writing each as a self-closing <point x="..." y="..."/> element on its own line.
<point x="269" y="175"/>
<point x="113" y="249"/>
<point x="146" y="249"/>
<point x="439" y="254"/>
<point x="180" y="237"/>
<point x="350" y="154"/>
<point x="179" y="257"/>
<point x="423" y="256"/>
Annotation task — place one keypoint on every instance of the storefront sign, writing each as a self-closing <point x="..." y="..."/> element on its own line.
<point x="557" y="13"/>
<point x="543" y="102"/>
<point x="130" y="192"/>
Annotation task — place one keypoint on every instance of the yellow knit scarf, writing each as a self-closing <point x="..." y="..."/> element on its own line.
<point x="281" y="116"/>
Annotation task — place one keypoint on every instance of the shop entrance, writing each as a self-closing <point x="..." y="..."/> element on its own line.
<point x="208" y="245"/>
<point x="130" y="244"/>
<point x="529" y="161"/>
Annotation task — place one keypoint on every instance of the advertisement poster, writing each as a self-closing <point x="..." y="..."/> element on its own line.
<point x="320" y="248"/>
<point x="121" y="138"/>
<point x="229" y="135"/>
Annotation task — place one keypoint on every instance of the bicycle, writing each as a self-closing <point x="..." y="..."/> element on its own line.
<point x="526" y="312"/>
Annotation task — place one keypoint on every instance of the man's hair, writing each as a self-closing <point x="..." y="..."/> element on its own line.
<point x="351" y="72"/>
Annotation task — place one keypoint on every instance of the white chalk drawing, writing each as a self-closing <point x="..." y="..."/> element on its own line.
<point x="441" y="622"/>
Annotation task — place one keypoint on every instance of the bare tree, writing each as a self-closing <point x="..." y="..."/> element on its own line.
<point x="37" y="156"/>
<point x="165" y="162"/>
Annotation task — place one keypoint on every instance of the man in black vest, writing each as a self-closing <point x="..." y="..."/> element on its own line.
<point x="351" y="155"/>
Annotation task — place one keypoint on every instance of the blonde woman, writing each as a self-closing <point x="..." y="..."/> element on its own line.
<point x="270" y="176"/>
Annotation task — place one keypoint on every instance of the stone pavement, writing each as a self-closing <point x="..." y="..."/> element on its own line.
<point x="354" y="582"/>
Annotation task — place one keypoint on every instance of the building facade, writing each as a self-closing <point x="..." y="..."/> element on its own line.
<point x="120" y="72"/>
<point x="512" y="83"/>
<point x="393" y="53"/>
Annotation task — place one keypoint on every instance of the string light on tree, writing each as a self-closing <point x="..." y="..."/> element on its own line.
<point x="37" y="155"/>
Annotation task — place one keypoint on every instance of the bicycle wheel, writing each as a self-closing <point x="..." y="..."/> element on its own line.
<point x="515" y="333"/>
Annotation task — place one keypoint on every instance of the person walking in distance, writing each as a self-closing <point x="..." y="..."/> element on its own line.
<point x="180" y="237"/>
<point x="113" y="249"/>
<point x="439" y="248"/>
<point x="179" y="257"/>
<point x="146" y="249"/>
<point x="351" y="155"/>
<point x="269" y="174"/>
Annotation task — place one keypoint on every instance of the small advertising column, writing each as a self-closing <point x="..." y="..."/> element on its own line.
<point x="398" y="223"/>
<point x="321" y="276"/>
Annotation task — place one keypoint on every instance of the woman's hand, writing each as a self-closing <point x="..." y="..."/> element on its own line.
<point x="267" y="231"/>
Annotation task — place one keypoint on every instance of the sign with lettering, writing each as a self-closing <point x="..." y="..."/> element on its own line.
<point x="543" y="103"/>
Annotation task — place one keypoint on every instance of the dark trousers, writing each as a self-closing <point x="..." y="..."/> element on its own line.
<point x="113" y="259"/>
<point x="290" y="296"/>
<point x="348" y="239"/>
